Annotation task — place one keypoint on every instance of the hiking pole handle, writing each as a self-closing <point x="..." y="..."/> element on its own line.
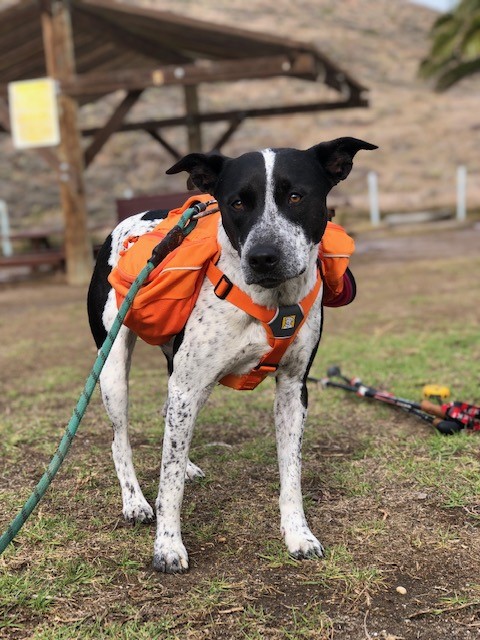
<point x="432" y="409"/>
<point x="447" y="427"/>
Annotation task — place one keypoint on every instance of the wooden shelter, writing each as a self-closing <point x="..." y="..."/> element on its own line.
<point x="95" y="47"/>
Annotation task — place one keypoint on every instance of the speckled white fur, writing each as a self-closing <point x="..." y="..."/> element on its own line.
<point x="219" y="339"/>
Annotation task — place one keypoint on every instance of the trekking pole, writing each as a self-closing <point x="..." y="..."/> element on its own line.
<point x="426" y="411"/>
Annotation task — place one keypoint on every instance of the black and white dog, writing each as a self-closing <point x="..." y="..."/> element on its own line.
<point x="273" y="215"/>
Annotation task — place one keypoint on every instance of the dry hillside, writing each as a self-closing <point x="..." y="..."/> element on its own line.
<point x="422" y="136"/>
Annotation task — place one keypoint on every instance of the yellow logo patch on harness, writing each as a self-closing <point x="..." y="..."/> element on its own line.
<point x="288" y="322"/>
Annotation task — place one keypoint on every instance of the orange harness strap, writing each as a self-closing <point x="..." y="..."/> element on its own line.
<point x="281" y="325"/>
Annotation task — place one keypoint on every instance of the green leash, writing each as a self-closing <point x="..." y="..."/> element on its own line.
<point x="172" y="240"/>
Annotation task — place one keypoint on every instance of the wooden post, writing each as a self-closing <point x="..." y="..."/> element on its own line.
<point x="60" y="62"/>
<point x="194" y="131"/>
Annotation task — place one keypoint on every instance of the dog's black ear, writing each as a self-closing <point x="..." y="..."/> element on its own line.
<point x="203" y="168"/>
<point x="336" y="156"/>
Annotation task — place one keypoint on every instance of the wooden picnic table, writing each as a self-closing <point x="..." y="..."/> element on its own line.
<point x="52" y="257"/>
<point x="33" y="233"/>
<point x="41" y="246"/>
<point x="38" y="239"/>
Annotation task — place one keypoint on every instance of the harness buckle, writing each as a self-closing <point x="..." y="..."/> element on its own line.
<point x="266" y="368"/>
<point x="223" y="287"/>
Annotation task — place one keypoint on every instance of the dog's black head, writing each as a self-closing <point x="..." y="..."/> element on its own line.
<point x="273" y="202"/>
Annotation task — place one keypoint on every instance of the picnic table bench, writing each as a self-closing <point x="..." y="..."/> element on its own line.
<point x="38" y="239"/>
<point x="53" y="257"/>
<point x="39" y="247"/>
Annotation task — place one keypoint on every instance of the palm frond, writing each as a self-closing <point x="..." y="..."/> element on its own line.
<point x="457" y="73"/>
<point x="455" y="46"/>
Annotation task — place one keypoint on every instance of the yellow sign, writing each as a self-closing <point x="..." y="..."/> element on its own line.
<point x="34" y="113"/>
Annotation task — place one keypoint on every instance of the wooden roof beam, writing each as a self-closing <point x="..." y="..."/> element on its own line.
<point x="117" y="33"/>
<point x="302" y="65"/>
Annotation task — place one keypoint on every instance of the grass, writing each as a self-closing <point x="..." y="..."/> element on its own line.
<point x="393" y="502"/>
<point x="98" y="630"/>
<point x="342" y="573"/>
<point x="308" y="622"/>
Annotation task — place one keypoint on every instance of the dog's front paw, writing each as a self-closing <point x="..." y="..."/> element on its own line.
<point x="170" y="558"/>
<point x="193" y="472"/>
<point x="302" y="544"/>
<point x="139" y="511"/>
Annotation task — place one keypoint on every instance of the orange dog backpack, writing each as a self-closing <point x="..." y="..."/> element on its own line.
<point x="164" y="303"/>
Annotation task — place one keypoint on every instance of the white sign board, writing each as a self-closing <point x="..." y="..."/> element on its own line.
<point x="34" y="113"/>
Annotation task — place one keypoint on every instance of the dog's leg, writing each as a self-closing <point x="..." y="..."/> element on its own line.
<point x="290" y="414"/>
<point x="184" y="403"/>
<point x="114" y="388"/>
<point x="192" y="472"/>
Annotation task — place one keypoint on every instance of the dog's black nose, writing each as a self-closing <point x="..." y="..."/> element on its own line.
<point x="263" y="258"/>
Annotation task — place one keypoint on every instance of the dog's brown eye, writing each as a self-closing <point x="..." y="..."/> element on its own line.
<point x="294" y="198"/>
<point x="237" y="205"/>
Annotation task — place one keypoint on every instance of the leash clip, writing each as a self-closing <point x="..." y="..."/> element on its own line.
<point x="201" y="209"/>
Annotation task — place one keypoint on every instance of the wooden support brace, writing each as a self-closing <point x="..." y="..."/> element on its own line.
<point x="166" y="145"/>
<point x="234" y="124"/>
<point x="114" y="122"/>
<point x="4" y="115"/>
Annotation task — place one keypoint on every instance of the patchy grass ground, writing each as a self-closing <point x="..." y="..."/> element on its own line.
<point x="395" y="504"/>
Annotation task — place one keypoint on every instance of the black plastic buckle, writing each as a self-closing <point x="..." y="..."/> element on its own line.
<point x="266" y="367"/>
<point x="223" y="287"/>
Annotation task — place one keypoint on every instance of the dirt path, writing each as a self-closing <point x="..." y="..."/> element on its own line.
<point x="432" y="241"/>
